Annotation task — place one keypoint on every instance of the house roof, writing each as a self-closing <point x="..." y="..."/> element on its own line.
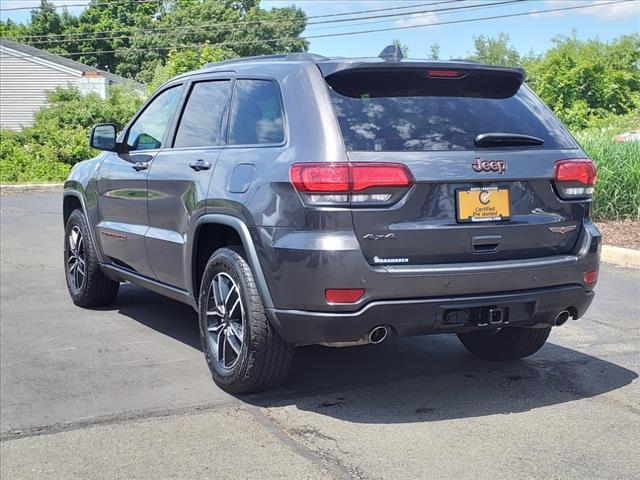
<point x="29" y="51"/>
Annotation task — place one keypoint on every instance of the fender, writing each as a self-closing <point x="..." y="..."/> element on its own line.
<point x="74" y="193"/>
<point x="247" y="242"/>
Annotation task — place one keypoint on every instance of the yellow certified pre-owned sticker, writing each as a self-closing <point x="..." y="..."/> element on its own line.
<point x="483" y="204"/>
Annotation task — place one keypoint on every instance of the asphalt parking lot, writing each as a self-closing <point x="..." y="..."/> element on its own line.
<point x="124" y="392"/>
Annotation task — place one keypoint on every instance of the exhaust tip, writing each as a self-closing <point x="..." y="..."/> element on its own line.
<point x="378" y="334"/>
<point x="561" y="318"/>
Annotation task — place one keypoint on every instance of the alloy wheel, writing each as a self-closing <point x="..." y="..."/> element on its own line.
<point x="76" y="260"/>
<point x="225" y="320"/>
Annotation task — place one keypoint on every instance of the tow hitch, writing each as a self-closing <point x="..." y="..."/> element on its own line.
<point x="479" y="316"/>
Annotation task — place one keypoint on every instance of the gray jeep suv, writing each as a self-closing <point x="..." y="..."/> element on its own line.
<point x="298" y="199"/>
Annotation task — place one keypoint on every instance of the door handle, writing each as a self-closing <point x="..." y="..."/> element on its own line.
<point x="486" y="243"/>
<point x="139" y="166"/>
<point x="200" y="165"/>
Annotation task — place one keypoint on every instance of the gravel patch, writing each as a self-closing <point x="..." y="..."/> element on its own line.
<point x="621" y="233"/>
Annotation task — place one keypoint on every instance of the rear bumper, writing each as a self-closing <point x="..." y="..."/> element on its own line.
<point x="299" y="266"/>
<point x="426" y="316"/>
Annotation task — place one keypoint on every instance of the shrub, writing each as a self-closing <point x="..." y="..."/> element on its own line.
<point x="59" y="137"/>
<point x="24" y="160"/>
<point x="617" y="193"/>
<point x="584" y="81"/>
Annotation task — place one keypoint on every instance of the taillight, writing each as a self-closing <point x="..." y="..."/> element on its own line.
<point x="350" y="183"/>
<point x="575" y="178"/>
<point x="320" y="177"/>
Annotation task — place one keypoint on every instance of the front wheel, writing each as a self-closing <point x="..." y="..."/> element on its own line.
<point x="87" y="285"/>
<point x="505" y="344"/>
<point x="244" y="353"/>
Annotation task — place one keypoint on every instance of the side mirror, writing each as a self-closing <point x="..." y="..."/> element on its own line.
<point x="103" y="137"/>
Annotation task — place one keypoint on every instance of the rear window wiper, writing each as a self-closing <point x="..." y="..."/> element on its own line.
<point x="505" y="140"/>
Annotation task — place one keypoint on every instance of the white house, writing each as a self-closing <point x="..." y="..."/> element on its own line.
<point x="27" y="74"/>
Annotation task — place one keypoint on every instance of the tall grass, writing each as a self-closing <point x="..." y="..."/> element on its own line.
<point x="617" y="193"/>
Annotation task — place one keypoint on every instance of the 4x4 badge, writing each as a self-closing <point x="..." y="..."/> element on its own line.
<point x="489" y="166"/>
<point x="379" y="236"/>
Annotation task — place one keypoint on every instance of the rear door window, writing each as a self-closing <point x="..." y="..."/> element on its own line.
<point x="201" y="122"/>
<point x="406" y="112"/>
<point x="256" y="113"/>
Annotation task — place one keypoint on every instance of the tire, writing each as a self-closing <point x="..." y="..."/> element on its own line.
<point x="505" y="344"/>
<point x="87" y="284"/>
<point x="244" y="353"/>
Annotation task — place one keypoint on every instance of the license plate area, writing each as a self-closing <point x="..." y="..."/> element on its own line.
<point x="483" y="204"/>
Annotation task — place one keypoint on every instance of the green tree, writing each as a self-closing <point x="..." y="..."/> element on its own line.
<point x="495" y="51"/>
<point x="186" y="60"/>
<point x="150" y="31"/>
<point x="46" y="25"/>
<point x="134" y="38"/>
<point x="11" y="29"/>
<point x="434" y="52"/>
<point x="115" y="30"/>
<point x="584" y="81"/>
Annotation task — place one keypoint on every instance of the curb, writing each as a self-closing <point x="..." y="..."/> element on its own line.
<point x="30" y="188"/>
<point x="623" y="257"/>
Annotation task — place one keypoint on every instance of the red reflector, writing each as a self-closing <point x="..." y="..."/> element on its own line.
<point x="348" y="177"/>
<point x="591" y="277"/>
<point x="343" y="295"/>
<point x="445" y="73"/>
<point x="581" y="170"/>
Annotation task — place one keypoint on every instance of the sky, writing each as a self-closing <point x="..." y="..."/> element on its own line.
<point x="527" y="33"/>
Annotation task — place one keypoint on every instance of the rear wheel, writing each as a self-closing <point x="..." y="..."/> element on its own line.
<point x="87" y="285"/>
<point x="244" y="353"/>
<point x="505" y="344"/>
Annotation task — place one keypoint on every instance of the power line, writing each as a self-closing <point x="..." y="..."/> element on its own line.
<point x="342" y="14"/>
<point x="255" y="22"/>
<point x="472" y="8"/>
<point x="243" y="27"/>
<point x="451" y="22"/>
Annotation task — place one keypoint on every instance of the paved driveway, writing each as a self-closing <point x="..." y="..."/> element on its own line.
<point x="124" y="392"/>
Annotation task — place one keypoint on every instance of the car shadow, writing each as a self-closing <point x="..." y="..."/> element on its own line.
<point x="418" y="379"/>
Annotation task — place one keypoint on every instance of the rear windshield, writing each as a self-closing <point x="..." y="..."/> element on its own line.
<point x="402" y="112"/>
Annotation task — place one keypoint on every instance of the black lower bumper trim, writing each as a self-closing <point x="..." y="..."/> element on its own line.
<point x="427" y="316"/>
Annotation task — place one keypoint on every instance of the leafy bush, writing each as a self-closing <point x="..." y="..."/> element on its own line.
<point x="587" y="81"/>
<point x="24" y="160"/>
<point x="68" y="108"/>
<point x="58" y="139"/>
<point x="617" y="192"/>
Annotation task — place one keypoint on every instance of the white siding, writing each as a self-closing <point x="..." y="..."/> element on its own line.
<point x="23" y="88"/>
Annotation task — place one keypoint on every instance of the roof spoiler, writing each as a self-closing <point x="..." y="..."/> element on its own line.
<point x="331" y="67"/>
<point x="381" y="79"/>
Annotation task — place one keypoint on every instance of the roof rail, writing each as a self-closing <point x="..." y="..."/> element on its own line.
<point x="292" y="57"/>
